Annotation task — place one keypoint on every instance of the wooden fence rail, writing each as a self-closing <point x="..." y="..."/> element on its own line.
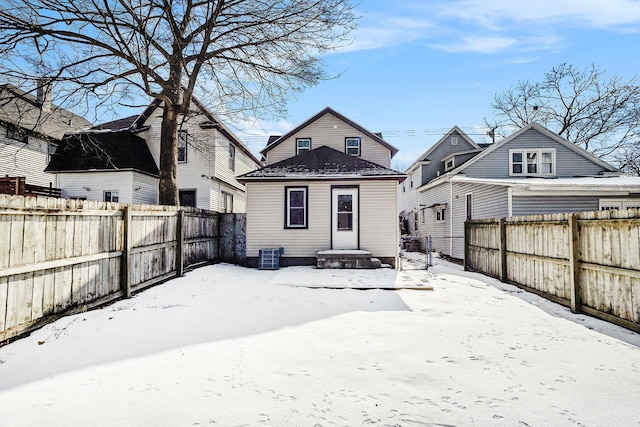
<point x="589" y="261"/>
<point x="58" y="256"/>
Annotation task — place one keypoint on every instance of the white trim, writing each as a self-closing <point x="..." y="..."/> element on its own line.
<point x="510" y="201"/>
<point x="524" y="163"/>
<point x="304" y="207"/>
<point x="619" y="203"/>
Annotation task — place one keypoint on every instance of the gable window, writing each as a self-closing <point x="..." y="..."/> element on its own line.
<point x="303" y="145"/>
<point x="532" y="162"/>
<point x="183" y="138"/>
<point x="454" y="140"/>
<point x="440" y="213"/>
<point x="296" y="207"/>
<point x="352" y="146"/>
<point x="226" y="202"/>
<point x="232" y="157"/>
<point x="17" y="134"/>
<point x="111" y="196"/>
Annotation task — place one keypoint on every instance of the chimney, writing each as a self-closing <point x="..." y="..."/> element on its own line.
<point x="44" y="95"/>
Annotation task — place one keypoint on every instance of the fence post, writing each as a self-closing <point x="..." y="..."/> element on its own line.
<point x="502" y="225"/>
<point x="180" y="244"/>
<point x="574" y="265"/>
<point x="125" y="263"/>
<point x="466" y="245"/>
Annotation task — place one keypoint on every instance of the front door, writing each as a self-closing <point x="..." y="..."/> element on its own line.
<point x="344" y="221"/>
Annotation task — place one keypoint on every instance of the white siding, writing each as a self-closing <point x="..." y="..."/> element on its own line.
<point x="92" y="185"/>
<point x="145" y="189"/>
<point x="28" y="160"/>
<point x="408" y="198"/>
<point x="330" y="131"/>
<point x="208" y="155"/>
<point x="265" y="218"/>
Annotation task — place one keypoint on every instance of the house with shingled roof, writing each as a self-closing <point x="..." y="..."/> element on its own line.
<point x="210" y="157"/>
<point x="327" y="195"/>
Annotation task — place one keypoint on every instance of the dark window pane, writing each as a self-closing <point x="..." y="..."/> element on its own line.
<point x="517" y="168"/>
<point x="517" y="157"/>
<point x="296" y="216"/>
<point x="345" y="203"/>
<point x="296" y="199"/>
<point x="345" y="221"/>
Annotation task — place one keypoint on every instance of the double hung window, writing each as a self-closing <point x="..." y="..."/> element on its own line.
<point x="352" y="146"/>
<point x="296" y="202"/>
<point x="303" y="145"/>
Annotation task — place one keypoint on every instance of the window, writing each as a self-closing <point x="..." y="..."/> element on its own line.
<point x="620" y="204"/>
<point x="411" y="182"/>
<point x="226" y="202"/>
<point x="187" y="197"/>
<point x="440" y="213"/>
<point x="469" y="207"/>
<point x="111" y="196"/>
<point x="532" y="162"/>
<point x="183" y="138"/>
<point x="303" y="145"/>
<point x="296" y="207"/>
<point x="449" y="165"/>
<point x="345" y="212"/>
<point x="17" y="134"/>
<point x="232" y="157"/>
<point x="352" y="146"/>
<point x="422" y="216"/>
<point x="454" y="140"/>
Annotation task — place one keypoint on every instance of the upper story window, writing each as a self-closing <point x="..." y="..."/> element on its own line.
<point x="454" y="140"/>
<point x="183" y="139"/>
<point x="352" y="146"/>
<point x="449" y="164"/>
<point x="232" y="157"/>
<point x="532" y="162"/>
<point x="440" y="213"/>
<point x="303" y="145"/>
<point x="17" y="134"/>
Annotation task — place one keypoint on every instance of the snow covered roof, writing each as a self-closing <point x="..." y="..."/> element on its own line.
<point x="604" y="183"/>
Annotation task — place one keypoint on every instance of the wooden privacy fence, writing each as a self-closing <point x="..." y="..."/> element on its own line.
<point x="58" y="256"/>
<point x="589" y="261"/>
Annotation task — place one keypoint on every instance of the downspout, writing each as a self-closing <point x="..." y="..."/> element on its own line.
<point x="510" y="201"/>
<point x="451" y="219"/>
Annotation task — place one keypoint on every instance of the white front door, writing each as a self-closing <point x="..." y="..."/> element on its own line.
<point x="344" y="221"/>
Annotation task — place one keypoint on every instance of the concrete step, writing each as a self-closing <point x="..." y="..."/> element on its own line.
<point x="339" y="258"/>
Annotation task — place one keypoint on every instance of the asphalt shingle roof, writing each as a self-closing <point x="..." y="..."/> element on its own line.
<point x="322" y="162"/>
<point x="103" y="151"/>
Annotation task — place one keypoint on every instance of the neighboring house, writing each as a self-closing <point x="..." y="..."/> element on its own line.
<point x="453" y="149"/>
<point x="533" y="171"/>
<point x="29" y="128"/>
<point x="326" y="185"/>
<point x="209" y="158"/>
<point x="110" y="166"/>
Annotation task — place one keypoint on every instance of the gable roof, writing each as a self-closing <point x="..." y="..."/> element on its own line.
<point x="535" y="126"/>
<point x="424" y="157"/>
<point x="22" y="109"/>
<point x="102" y="151"/>
<point x="328" y="110"/>
<point x="137" y="122"/>
<point x="322" y="162"/>
<point x="543" y="130"/>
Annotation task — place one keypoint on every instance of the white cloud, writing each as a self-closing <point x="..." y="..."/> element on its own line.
<point x="377" y="31"/>
<point x="478" y="45"/>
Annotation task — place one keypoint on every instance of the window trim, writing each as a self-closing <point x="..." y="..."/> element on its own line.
<point x="305" y="150"/>
<point x="287" y="211"/>
<point x="183" y="136"/>
<point x="359" y="147"/>
<point x="539" y="153"/>
<point x="453" y="164"/>
<point x="468" y="206"/>
<point x="439" y="214"/>
<point x="454" y="140"/>
<point x="225" y="195"/>
<point x="232" y="157"/>
<point x="111" y="192"/>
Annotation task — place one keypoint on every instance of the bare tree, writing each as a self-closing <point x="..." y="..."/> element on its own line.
<point x="600" y="115"/>
<point x="237" y="55"/>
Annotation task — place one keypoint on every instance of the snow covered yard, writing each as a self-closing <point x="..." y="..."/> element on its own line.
<point x="230" y="346"/>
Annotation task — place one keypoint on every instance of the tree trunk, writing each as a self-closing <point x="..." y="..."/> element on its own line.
<point x="168" y="186"/>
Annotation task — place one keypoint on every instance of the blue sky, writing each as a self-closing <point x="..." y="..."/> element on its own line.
<point x="416" y="68"/>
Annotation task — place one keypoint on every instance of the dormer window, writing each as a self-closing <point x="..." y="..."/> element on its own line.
<point x="532" y="162"/>
<point x="449" y="164"/>
<point x="352" y="146"/>
<point x="303" y="145"/>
